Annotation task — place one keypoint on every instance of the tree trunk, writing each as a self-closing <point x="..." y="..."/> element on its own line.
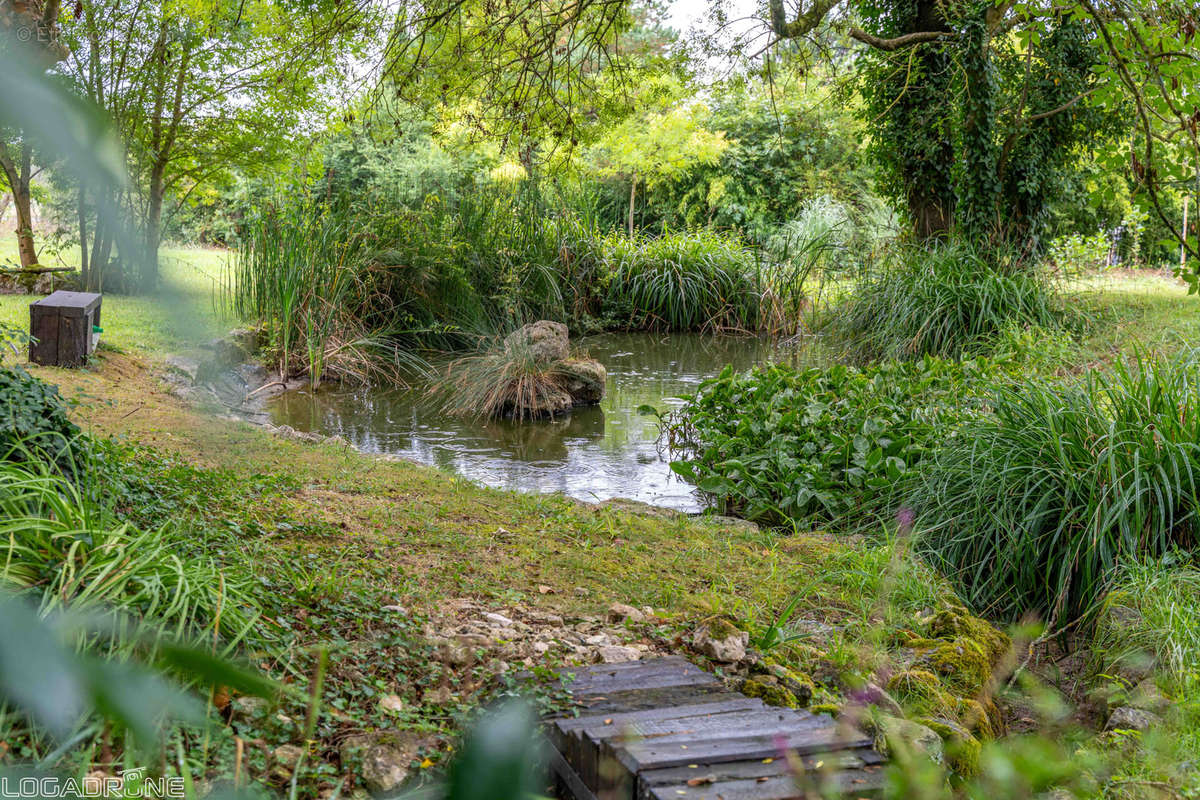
<point x="19" y="176"/>
<point x="632" y="197"/>
<point x="153" y="226"/>
<point x="84" y="273"/>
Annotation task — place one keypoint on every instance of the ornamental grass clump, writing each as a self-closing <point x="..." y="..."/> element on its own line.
<point x="695" y="281"/>
<point x="1034" y="507"/>
<point x="947" y="301"/>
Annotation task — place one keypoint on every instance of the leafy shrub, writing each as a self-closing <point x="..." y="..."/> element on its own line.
<point x="1076" y="252"/>
<point x="1034" y="506"/>
<point x="946" y="301"/>
<point x="683" y="282"/>
<point x="33" y="418"/>
<point x="784" y="443"/>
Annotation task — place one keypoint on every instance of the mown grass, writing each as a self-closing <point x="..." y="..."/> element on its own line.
<point x="183" y="314"/>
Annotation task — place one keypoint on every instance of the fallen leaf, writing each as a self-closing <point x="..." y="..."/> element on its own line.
<point x="701" y="781"/>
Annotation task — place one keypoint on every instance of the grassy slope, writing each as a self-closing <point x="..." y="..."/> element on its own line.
<point x="359" y="532"/>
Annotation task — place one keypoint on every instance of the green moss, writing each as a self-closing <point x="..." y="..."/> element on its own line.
<point x="961" y="748"/>
<point x="956" y="623"/>
<point x="720" y="628"/>
<point x="963" y="663"/>
<point x="771" y="692"/>
<point x="800" y="684"/>
<point x="921" y="692"/>
<point x="832" y="709"/>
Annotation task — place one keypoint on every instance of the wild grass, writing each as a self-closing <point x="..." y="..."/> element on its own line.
<point x="57" y="541"/>
<point x="1152" y="615"/>
<point x="944" y="300"/>
<point x="1035" y="506"/>
<point x="501" y="382"/>
<point x="694" y="281"/>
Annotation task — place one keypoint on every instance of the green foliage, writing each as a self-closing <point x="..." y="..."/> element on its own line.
<point x="781" y="443"/>
<point x="1033" y="507"/>
<point x="33" y="419"/>
<point x="1151" y="616"/>
<point x="683" y="282"/>
<point x="946" y="300"/>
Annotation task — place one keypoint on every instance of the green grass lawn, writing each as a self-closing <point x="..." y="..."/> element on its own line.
<point x="185" y="312"/>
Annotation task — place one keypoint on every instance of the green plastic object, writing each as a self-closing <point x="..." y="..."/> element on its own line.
<point x="97" y="329"/>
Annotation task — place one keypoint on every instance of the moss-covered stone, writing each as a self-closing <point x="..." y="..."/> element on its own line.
<point x="800" y="684"/>
<point x="832" y="709"/>
<point x="960" y="748"/>
<point x="921" y="692"/>
<point x="956" y="623"/>
<point x="721" y="628"/>
<point x="770" y="691"/>
<point x="964" y="665"/>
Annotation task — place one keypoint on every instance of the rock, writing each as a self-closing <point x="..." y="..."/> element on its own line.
<point x="498" y="620"/>
<point x="619" y="612"/>
<point x="895" y="735"/>
<point x="441" y="696"/>
<point x="769" y="689"/>
<point x="1146" y="696"/>
<point x="394" y="608"/>
<point x="1128" y="718"/>
<point x="391" y="702"/>
<point x="285" y="758"/>
<point x="545" y="341"/>
<point x="584" y="380"/>
<point x="875" y="695"/>
<point x="721" y="641"/>
<point x="615" y="654"/>
<point x="384" y="768"/>
<point x="249" y="707"/>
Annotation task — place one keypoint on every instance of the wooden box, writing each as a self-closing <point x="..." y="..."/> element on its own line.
<point x="65" y="328"/>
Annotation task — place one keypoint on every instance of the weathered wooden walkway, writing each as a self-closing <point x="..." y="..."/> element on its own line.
<point x="664" y="729"/>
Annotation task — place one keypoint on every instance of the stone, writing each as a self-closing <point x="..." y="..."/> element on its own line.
<point x="249" y="706"/>
<point x="392" y="703"/>
<point x="545" y="341"/>
<point x="285" y="758"/>
<point x="440" y="696"/>
<point x="1146" y="696"/>
<point x="1128" y="718"/>
<point x="616" y="654"/>
<point x="895" y="736"/>
<point x="769" y="690"/>
<point x="875" y="695"/>
<point x="384" y="768"/>
<point x="720" y="641"/>
<point x="498" y="620"/>
<point x="619" y="612"/>
<point x="584" y="380"/>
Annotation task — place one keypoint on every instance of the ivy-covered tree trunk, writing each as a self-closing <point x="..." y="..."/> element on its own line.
<point x="976" y="177"/>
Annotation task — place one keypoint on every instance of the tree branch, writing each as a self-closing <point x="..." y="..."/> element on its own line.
<point x="907" y="40"/>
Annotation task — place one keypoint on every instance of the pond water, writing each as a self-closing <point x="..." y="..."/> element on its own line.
<point x="595" y="453"/>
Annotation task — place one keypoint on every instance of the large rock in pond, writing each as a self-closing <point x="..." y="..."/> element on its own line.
<point x="545" y="341"/>
<point x="585" y="379"/>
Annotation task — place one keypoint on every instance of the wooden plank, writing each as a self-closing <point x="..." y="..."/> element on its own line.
<point x="654" y="754"/>
<point x="596" y="745"/>
<point x="74" y="333"/>
<point x="648" y="676"/>
<point x="753" y="770"/>
<point x="854" y="784"/>
<point x="568" y="734"/>
<point x="43" y="327"/>
<point x="641" y="700"/>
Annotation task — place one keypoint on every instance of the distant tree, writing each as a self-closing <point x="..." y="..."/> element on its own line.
<point x="33" y="26"/>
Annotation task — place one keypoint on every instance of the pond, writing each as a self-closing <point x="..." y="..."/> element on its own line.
<point x="595" y="453"/>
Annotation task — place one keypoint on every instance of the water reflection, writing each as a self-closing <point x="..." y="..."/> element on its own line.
<point x="592" y="454"/>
